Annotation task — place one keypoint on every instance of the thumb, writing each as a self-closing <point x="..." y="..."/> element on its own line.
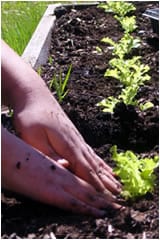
<point x="63" y="162"/>
<point x="53" y="155"/>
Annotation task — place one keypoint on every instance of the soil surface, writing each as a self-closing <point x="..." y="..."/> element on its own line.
<point x="76" y="35"/>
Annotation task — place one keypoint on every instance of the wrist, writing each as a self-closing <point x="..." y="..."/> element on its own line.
<point x="20" y="83"/>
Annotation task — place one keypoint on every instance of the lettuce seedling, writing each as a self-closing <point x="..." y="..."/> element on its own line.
<point x="128" y="71"/>
<point x="120" y="8"/>
<point x="132" y="74"/>
<point x="128" y="95"/>
<point x="108" y="104"/>
<point x="124" y="46"/>
<point x="136" y="173"/>
<point x="127" y="23"/>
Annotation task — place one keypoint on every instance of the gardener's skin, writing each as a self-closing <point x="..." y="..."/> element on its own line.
<point x="49" y="161"/>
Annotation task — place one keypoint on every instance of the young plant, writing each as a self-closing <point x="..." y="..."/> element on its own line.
<point x="128" y="71"/>
<point x="60" y="84"/>
<point x="127" y="96"/>
<point x="108" y="104"/>
<point x="127" y="23"/>
<point x="132" y="74"/>
<point x="124" y="46"/>
<point x="50" y="60"/>
<point x="120" y="8"/>
<point x="136" y="173"/>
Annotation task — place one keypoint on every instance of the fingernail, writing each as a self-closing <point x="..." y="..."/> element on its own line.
<point x="122" y="208"/>
<point x="107" y="192"/>
<point x="117" y="206"/>
<point x="109" y="196"/>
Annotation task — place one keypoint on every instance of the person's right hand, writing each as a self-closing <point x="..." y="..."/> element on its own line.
<point x="27" y="171"/>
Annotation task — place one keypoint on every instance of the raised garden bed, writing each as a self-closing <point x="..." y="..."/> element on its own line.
<point x="76" y="34"/>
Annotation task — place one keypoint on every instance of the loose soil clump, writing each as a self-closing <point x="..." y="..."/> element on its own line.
<point x="76" y="34"/>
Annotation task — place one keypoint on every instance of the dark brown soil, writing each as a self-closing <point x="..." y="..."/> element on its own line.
<point x="76" y="34"/>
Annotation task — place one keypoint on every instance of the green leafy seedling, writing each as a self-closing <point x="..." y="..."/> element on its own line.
<point x="128" y="71"/>
<point x="108" y="104"/>
<point x="127" y="23"/>
<point x="120" y="8"/>
<point x="124" y="46"/>
<point x="132" y="74"/>
<point x="128" y="95"/>
<point x="136" y="173"/>
<point x="59" y="84"/>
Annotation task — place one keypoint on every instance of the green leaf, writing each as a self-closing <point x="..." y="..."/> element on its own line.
<point x="60" y="84"/>
<point x="112" y="73"/>
<point x="120" y="8"/>
<point x="145" y="106"/>
<point x="136" y="174"/>
<point x="98" y="49"/>
<point x="128" y="94"/>
<point x="64" y="84"/>
<point x="128" y="23"/>
<point x="108" y="104"/>
<point x="108" y="40"/>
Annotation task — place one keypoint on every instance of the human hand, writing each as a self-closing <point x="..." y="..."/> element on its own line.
<point x="44" y="125"/>
<point x="27" y="171"/>
<point x="41" y="122"/>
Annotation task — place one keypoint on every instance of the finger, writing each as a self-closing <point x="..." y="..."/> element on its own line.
<point x="100" y="168"/>
<point x="63" y="162"/>
<point x="99" y="182"/>
<point x="104" y="172"/>
<point x="109" y="183"/>
<point x="69" y="202"/>
<point x="87" y="173"/>
<point x="85" y="166"/>
<point x="83" y="191"/>
<point x="53" y="155"/>
<point x="99" y="160"/>
<point x="81" y="197"/>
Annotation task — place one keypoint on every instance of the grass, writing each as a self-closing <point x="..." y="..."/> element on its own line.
<point x="19" y="20"/>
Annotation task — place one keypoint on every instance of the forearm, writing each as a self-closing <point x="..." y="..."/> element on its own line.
<point x="18" y="79"/>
